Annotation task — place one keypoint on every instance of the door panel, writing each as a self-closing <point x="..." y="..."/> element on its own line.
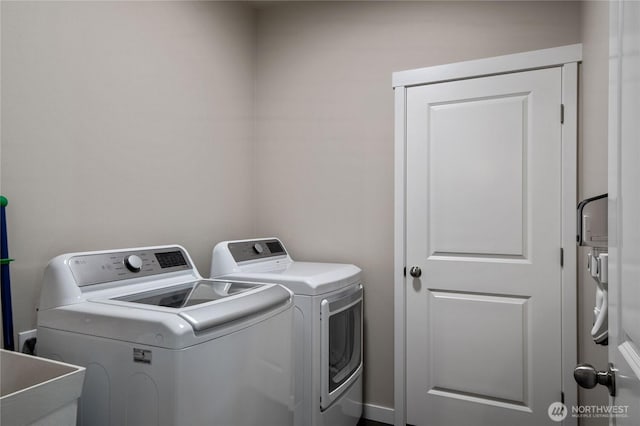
<point x="484" y="225"/>
<point x="624" y="199"/>
<point x="455" y="163"/>
<point x="498" y="369"/>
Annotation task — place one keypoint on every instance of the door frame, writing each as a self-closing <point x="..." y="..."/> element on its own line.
<point x="566" y="57"/>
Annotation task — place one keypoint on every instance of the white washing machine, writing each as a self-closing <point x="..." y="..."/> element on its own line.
<point x="163" y="346"/>
<point x="327" y="324"/>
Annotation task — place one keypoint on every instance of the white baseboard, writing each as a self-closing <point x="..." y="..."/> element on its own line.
<point x="378" y="413"/>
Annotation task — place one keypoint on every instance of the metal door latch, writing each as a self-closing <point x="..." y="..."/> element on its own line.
<point x="588" y="377"/>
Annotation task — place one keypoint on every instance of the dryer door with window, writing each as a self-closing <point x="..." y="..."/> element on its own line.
<point x="341" y="346"/>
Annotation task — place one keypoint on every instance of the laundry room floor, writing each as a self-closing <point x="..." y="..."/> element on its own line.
<point x="367" y="422"/>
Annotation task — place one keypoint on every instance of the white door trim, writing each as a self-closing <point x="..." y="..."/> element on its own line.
<point x="545" y="58"/>
<point x="566" y="57"/>
<point x="569" y="229"/>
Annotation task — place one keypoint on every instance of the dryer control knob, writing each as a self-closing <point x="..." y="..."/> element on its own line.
<point x="133" y="263"/>
<point x="257" y="247"/>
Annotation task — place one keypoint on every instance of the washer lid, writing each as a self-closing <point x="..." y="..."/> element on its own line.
<point x="305" y="278"/>
<point x="162" y="318"/>
<point x="187" y="294"/>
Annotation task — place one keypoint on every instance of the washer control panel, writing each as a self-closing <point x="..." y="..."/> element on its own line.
<point x="89" y="269"/>
<point x="256" y="249"/>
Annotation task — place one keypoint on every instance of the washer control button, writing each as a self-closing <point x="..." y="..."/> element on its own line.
<point x="257" y="247"/>
<point x="133" y="263"/>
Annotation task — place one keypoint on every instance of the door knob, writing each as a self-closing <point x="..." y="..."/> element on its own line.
<point x="415" y="271"/>
<point x="588" y="377"/>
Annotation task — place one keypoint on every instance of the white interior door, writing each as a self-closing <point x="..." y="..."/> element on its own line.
<point x="624" y="208"/>
<point x="483" y="223"/>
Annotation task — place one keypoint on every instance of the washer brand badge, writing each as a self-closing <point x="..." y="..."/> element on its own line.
<point x="142" y="355"/>
<point x="557" y="411"/>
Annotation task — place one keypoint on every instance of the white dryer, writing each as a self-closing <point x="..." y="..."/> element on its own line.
<point x="163" y="346"/>
<point x="327" y="325"/>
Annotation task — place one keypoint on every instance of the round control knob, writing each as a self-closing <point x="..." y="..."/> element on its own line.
<point x="257" y="247"/>
<point x="133" y="263"/>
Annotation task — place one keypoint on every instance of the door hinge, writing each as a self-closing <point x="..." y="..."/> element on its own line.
<point x="561" y="257"/>
<point x="561" y="113"/>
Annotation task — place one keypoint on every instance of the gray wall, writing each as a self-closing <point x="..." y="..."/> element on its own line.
<point x="123" y="124"/>
<point x="592" y="176"/>
<point x="156" y="122"/>
<point x="324" y="125"/>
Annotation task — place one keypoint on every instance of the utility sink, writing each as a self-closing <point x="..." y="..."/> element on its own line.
<point x="38" y="391"/>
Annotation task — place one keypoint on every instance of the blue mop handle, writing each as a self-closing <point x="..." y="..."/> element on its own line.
<point x="5" y="280"/>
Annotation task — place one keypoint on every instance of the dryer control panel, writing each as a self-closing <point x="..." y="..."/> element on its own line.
<point x="96" y="268"/>
<point x="256" y="249"/>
